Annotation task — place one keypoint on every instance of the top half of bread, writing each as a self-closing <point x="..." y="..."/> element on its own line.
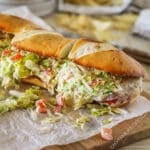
<point x="105" y="57"/>
<point x="88" y="53"/>
<point x="13" y="24"/>
<point x="44" y="43"/>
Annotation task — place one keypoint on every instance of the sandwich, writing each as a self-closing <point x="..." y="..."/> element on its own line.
<point x="76" y="72"/>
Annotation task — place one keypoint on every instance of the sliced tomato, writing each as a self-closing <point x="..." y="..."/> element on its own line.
<point x="16" y="57"/>
<point x="6" y="52"/>
<point x="41" y="102"/>
<point x="41" y="109"/>
<point x="106" y="134"/>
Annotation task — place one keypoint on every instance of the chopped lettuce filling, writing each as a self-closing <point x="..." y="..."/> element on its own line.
<point x="5" y="40"/>
<point x="107" y="121"/>
<point x="77" y="85"/>
<point x="25" y="100"/>
<point x="81" y="121"/>
<point x="17" y="65"/>
<point x="100" y="111"/>
<point x="84" y="85"/>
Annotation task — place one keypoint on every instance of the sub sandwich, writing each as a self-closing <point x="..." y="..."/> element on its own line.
<point x="76" y="72"/>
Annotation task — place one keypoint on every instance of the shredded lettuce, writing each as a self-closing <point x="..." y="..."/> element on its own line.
<point x="30" y="64"/>
<point x="78" y="85"/>
<point x="25" y="100"/>
<point x="5" y="40"/>
<point x="81" y="121"/>
<point x="107" y="121"/>
<point x="20" y="71"/>
<point x="29" y="97"/>
<point x="83" y="85"/>
<point x="100" y="111"/>
<point x="119" y="111"/>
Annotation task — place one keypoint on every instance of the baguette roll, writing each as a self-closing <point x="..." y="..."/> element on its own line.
<point x="44" y="43"/>
<point x="13" y="24"/>
<point x="105" y="57"/>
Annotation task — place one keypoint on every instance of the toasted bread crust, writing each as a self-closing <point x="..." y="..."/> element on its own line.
<point x="105" y="57"/>
<point x="113" y="61"/>
<point x="48" y="44"/>
<point x="34" y="81"/>
<point x="13" y="24"/>
<point x="78" y="43"/>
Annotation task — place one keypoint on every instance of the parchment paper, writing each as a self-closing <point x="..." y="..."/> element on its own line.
<point x="18" y="131"/>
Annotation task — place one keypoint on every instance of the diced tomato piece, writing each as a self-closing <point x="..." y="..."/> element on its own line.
<point x="41" y="109"/>
<point x="106" y="134"/>
<point x="41" y="102"/>
<point x="94" y="82"/>
<point x="6" y="52"/>
<point x="60" y="100"/>
<point x="41" y="106"/>
<point x="18" y="56"/>
<point x="58" y="108"/>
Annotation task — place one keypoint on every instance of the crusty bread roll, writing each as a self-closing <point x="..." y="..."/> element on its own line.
<point x="45" y="43"/>
<point x="13" y="24"/>
<point x="105" y="57"/>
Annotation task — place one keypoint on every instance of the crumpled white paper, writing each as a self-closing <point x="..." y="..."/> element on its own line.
<point x="104" y="10"/>
<point x="142" y="25"/>
<point x="19" y="132"/>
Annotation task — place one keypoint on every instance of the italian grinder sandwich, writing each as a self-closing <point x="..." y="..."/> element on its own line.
<point x="76" y="72"/>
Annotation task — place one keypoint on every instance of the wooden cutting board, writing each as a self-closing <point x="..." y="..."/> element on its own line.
<point x="124" y="133"/>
